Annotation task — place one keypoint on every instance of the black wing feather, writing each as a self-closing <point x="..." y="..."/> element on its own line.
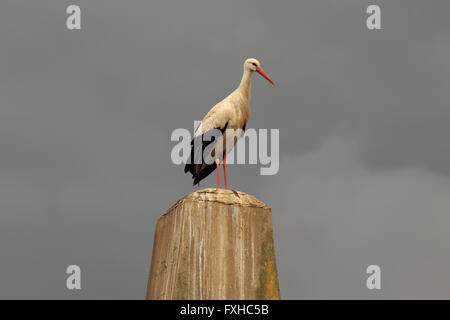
<point x="198" y="170"/>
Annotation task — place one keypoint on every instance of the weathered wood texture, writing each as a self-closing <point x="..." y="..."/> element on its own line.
<point x="214" y="244"/>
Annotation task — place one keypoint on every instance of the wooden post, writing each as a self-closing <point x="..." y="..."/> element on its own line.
<point x="214" y="244"/>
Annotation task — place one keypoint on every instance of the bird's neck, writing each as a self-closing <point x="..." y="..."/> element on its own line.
<point x="246" y="84"/>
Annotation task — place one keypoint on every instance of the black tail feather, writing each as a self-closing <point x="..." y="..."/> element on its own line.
<point x="204" y="173"/>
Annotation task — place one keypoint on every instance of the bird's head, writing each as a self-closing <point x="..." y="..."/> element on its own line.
<point x="253" y="65"/>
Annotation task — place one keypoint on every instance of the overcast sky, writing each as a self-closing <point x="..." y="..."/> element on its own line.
<point x="86" y="118"/>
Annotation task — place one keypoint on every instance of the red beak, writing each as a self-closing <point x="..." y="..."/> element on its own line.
<point x="261" y="72"/>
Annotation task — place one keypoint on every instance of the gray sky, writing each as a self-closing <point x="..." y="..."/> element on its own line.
<point x="86" y="118"/>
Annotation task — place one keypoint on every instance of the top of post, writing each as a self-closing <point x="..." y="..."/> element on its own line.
<point x="224" y="196"/>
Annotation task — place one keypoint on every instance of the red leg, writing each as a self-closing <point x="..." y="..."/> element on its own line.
<point x="225" y="169"/>
<point x="218" y="173"/>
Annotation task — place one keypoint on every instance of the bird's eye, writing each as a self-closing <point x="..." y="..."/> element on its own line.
<point x="254" y="64"/>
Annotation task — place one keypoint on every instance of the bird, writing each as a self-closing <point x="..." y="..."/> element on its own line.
<point x="209" y="145"/>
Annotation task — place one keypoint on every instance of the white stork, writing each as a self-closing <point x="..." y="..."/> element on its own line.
<point x="233" y="113"/>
